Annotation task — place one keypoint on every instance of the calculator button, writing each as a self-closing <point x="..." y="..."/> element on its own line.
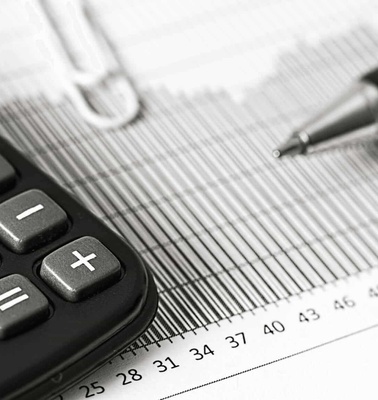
<point x="7" y="174"/>
<point x="30" y="220"/>
<point x="22" y="305"/>
<point x="80" y="269"/>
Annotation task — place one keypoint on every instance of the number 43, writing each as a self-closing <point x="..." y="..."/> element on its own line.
<point x="309" y="315"/>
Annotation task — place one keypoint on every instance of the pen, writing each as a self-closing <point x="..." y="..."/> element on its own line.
<point x="356" y="109"/>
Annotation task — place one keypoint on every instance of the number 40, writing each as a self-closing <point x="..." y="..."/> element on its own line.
<point x="274" y="327"/>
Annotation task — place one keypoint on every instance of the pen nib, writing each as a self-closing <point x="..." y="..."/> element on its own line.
<point x="276" y="153"/>
<point x="291" y="147"/>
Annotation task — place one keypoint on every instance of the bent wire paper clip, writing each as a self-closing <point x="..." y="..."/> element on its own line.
<point x="104" y="65"/>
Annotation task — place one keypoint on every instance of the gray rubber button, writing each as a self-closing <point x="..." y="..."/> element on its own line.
<point x="7" y="174"/>
<point x="80" y="269"/>
<point x="22" y="305"/>
<point x="29" y="220"/>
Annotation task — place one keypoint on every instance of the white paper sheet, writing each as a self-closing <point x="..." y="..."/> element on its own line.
<point x="275" y="258"/>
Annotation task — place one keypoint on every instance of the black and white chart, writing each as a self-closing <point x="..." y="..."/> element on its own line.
<point x="266" y="269"/>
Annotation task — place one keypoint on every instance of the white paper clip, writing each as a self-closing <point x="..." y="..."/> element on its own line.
<point x="63" y="16"/>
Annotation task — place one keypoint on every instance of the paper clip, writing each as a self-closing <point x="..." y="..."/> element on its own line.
<point x="104" y="64"/>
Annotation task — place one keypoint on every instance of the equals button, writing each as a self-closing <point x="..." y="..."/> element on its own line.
<point x="22" y="305"/>
<point x="14" y="301"/>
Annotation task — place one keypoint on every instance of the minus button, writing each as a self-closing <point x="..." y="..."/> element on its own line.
<point x="29" y="212"/>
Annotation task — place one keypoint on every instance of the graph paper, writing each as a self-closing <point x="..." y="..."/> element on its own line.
<point x="226" y="229"/>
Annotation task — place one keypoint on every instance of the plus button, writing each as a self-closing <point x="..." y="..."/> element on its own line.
<point x="81" y="260"/>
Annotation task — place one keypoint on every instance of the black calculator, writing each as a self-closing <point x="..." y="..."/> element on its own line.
<point x="73" y="293"/>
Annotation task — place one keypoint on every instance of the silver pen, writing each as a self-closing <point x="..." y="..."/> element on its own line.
<point x="356" y="109"/>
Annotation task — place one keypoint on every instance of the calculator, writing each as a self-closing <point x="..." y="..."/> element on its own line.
<point x="73" y="293"/>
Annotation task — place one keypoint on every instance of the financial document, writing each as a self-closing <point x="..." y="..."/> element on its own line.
<point x="266" y="269"/>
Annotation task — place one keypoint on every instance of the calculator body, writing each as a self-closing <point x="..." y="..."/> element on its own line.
<point x="75" y="337"/>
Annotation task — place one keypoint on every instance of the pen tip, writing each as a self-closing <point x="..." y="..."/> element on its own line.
<point x="276" y="153"/>
<point x="292" y="146"/>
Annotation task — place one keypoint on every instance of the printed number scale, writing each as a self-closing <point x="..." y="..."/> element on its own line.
<point x="72" y="292"/>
